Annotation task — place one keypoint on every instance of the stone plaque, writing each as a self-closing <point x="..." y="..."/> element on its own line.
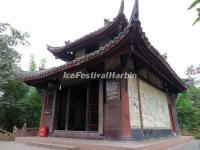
<point x="112" y="90"/>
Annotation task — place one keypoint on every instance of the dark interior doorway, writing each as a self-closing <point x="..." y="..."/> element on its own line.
<point x="93" y="106"/>
<point x="77" y="108"/>
<point x="62" y="109"/>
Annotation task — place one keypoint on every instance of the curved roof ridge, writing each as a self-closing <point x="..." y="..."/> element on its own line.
<point x="86" y="37"/>
<point x="135" y="13"/>
<point x="30" y="76"/>
<point x="121" y="9"/>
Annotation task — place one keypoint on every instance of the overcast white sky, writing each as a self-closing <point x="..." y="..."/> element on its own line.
<point x="167" y="24"/>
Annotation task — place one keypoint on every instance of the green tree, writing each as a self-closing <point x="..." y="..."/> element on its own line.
<point x="32" y="64"/>
<point x="9" y="39"/>
<point x="193" y="5"/>
<point x="12" y="105"/>
<point x="188" y="108"/>
<point x="19" y="103"/>
<point x="188" y="104"/>
<point x="33" y="108"/>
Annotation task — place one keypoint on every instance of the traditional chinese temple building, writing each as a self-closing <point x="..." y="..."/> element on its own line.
<point x="124" y="108"/>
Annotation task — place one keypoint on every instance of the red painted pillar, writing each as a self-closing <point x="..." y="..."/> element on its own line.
<point x="173" y="126"/>
<point x="171" y="115"/>
<point x="42" y="117"/>
<point x="126" y="128"/>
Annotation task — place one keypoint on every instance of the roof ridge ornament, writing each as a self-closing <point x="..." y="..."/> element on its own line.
<point x="135" y="13"/>
<point x="121" y="9"/>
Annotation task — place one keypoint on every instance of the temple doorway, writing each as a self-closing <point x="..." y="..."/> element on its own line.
<point x="62" y="109"/>
<point x="77" y="108"/>
<point x="93" y="106"/>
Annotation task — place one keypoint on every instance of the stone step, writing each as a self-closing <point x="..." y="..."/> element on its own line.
<point x="4" y="131"/>
<point x="5" y="135"/>
<point x="77" y="134"/>
<point x="63" y="144"/>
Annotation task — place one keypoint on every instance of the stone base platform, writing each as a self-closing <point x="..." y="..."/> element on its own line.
<point x="81" y="144"/>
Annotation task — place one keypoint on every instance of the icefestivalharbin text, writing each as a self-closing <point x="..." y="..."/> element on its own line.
<point x="95" y="75"/>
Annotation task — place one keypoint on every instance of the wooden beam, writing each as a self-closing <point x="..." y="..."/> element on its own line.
<point x="67" y="112"/>
<point x="163" y="75"/>
<point x="101" y="107"/>
<point x="153" y="67"/>
<point x="157" y="63"/>
<point x="141" y="57"/>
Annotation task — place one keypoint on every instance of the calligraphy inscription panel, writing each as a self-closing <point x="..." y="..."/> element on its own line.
<point x="112" y="90"/>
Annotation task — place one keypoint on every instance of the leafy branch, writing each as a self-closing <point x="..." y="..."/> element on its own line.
<point x="194" y="4"/>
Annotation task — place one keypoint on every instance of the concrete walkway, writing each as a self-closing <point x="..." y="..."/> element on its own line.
<point x="193" y="145"/>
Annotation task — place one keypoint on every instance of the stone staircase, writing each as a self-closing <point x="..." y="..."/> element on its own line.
<point x="5" y="135"/>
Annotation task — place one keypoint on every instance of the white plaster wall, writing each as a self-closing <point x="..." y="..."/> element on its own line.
<point x="154" y="103"/>
<point x="154" y="106"/>
<point x="133" y="103"/>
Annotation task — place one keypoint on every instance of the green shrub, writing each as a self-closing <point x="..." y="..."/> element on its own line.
<point x="197" y="136"/>
<point x="187" y="105"/>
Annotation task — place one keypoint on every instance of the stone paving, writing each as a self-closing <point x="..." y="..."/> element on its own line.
<point x="194" y="145"/>
<point x="13" y="145"/>
<point x="18" y="146"/>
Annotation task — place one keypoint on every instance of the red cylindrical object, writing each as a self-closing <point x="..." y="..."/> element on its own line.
<point x="43" y="132"/>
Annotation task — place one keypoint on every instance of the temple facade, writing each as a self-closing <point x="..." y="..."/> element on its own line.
<point x="109" y="108"/>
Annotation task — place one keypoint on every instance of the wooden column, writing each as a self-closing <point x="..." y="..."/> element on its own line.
<point x="87" y="107"/>
<point x="67" y="112"/>
<point x="126" y="128"/>
<point x="173" y="127"/>
<point x="170" y="108"/>
<point x="42" y="117"/>
<point x="177" y="128"/>
<point x="51" y="128"/>
<point x="140" y="106"/>
<point x="101" y="103"/>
